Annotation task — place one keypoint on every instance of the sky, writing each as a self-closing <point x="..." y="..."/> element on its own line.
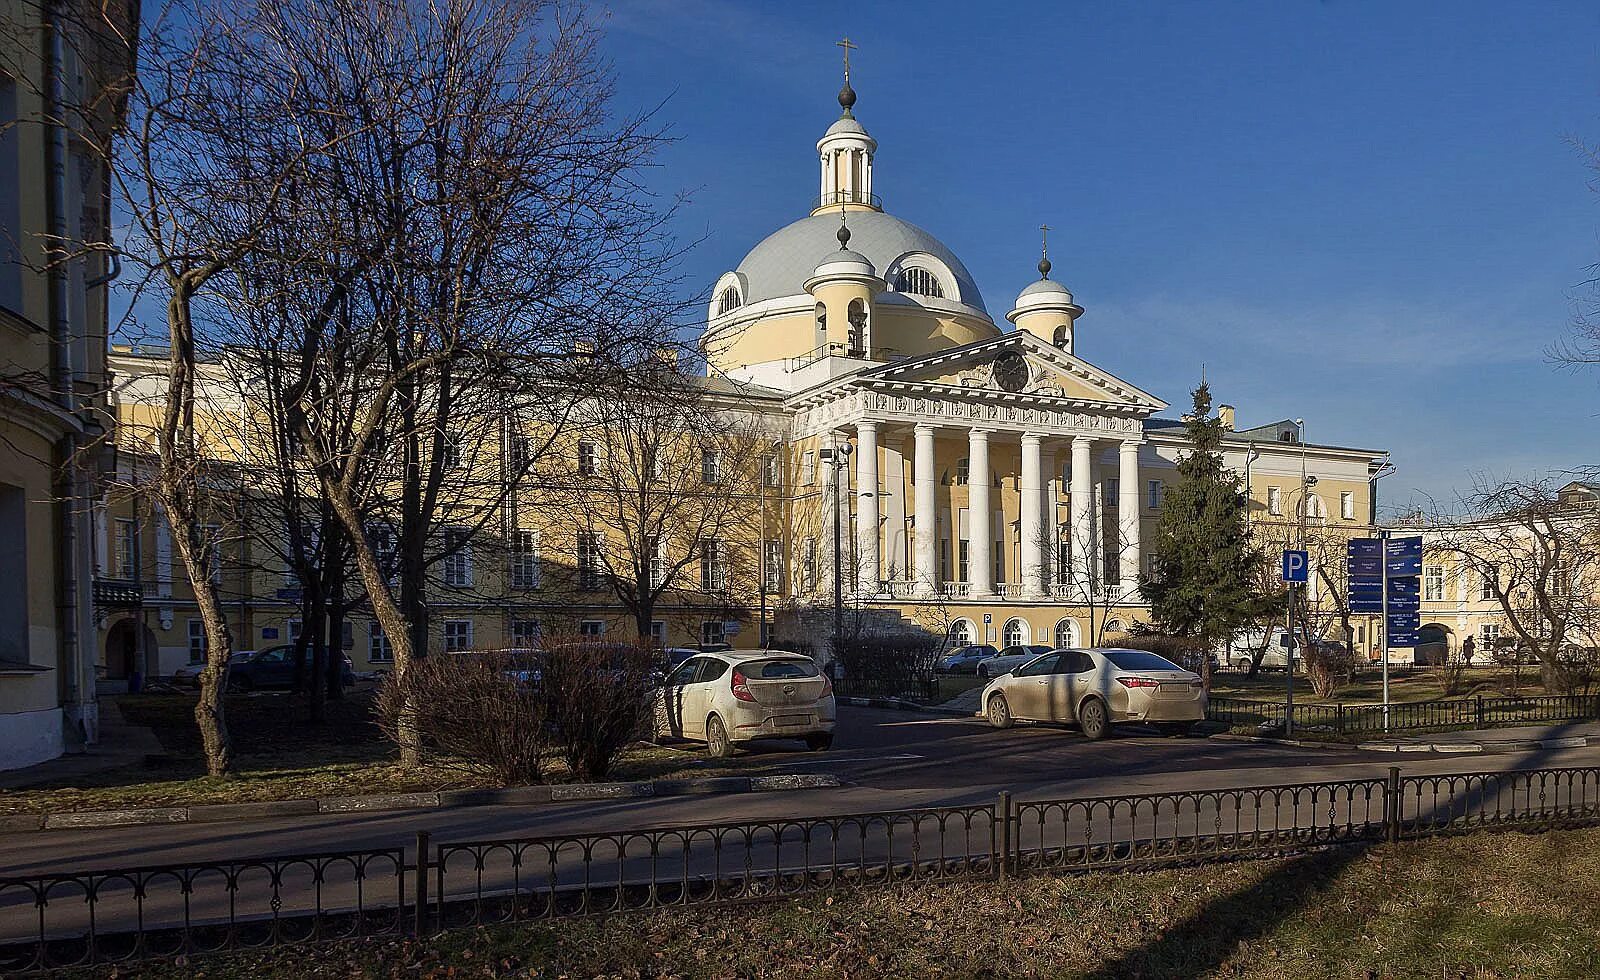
<point x="1369" y="215"/>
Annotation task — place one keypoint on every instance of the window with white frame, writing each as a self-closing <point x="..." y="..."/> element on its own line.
<point x="1153" y="492"/>
<point x="713" y="566"/>
<point x="197" y="641"/>
<point x="918" y="281"/>
<point x="808" y="469"/>
<point x="457" y="635"/>
<point x="728" y="300"/>
<point x="710" y="466"/>
<point x="295" y="627"/>
<point x="1486" y="583"/>
<point x="450" y="452"/>
<point x="1066" y="633"/>
<point x="656" y="571"/>
<point x="1560" y="580"/>
<point x="1488" y="636"/>
<point x="1275" y="501"/>
<point x="808" y="563"/>
<point x="457" y="558"/>
<point x="1433" y="583"/>
<point x="525" y="567"/>
<point x="588" y="560"/>
<point x="773" y="567"/>
<point x="658" y="632"/>
<point x="772" y="471"/>
<point x="963" y="471"/>
<point x="1347" y="505"/>
<point x="1015" y="633"/>
<point x="591" y="627"/>
<point x="125" y="547"/>
<point x="713" y="631"/>
<point x="378" y="649"/>
<point x="525" y="633"/>
<point x="961" y="633"/>
<point x="587" y="460"/>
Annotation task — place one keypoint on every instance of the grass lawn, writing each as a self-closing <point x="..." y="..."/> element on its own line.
<point x="1408" y="684"/>
<point x="282" y="755"/>
<point x="1482" y="906"/>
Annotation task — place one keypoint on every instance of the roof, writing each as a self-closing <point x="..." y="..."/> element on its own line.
<point x="782" y="261"/>
<point x="723" y="385"/>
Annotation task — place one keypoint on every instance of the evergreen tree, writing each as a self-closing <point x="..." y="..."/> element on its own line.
<point x="1203" y="582"/>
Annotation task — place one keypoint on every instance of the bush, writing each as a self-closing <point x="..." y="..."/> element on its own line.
<point x="1328" y="665"/>
<point x="1187" y="652"/>
<point x="596" y="700"/>
<point x="889" y="666"/>
<point x="471" y="711"/>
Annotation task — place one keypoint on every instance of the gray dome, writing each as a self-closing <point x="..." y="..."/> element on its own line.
<point x="1045" y="287"/>
<point x="784" y="259"/>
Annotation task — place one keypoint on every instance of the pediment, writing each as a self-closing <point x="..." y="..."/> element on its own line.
<point x="1020" y="364"/>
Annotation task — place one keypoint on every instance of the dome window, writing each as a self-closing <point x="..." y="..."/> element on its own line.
<point x="728" y="301"/>
<point x="918" y="281"/>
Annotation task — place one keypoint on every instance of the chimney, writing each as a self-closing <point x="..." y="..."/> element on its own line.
<point x="1225" y="413"/>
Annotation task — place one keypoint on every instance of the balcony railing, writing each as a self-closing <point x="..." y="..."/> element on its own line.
<point x="810" y="357"/>
<point x="956" y="590"/>
<point x="847" y="197"/>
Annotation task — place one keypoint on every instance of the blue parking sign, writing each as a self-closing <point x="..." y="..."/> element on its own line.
<point x="1296" y="566"/>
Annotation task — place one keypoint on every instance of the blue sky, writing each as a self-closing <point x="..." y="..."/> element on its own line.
<point x="1365" y="214"/>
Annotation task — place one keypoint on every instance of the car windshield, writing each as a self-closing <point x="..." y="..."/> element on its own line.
<point x="1139" y="660"/>
<point x="781" y="669"/>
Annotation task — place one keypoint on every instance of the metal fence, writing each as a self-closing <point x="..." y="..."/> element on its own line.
<point x="53" y="921"/>
<point x="1360" y="719"/>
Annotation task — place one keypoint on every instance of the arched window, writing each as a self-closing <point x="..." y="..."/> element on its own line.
<point x="857" y="314"/>
<point x="1314" y="507"/>
<point x="728" y="301"/>
<point x="919" y="281"/>
<point x="1016" y="632"/>
<point x="1062" y="336"/>
<point x="961" y="632"/>
<point x="1066" y="633"/>
<point x="1113" y="628"/>
<point x="822" y="326"/>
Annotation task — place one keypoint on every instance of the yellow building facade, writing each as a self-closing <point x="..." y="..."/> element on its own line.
<point x="985" y="479"/>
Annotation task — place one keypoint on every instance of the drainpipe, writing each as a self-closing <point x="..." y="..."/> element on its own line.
<point x="74" y="558"/>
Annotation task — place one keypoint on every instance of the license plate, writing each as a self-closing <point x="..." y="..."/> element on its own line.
<point x="790" y="721"/>
<point x="1174" y="689"/>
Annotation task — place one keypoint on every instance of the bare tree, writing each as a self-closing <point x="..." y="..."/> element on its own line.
<point x="1538" y="556"/>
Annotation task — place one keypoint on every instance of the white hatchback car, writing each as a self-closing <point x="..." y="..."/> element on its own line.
<point x="734" y="696"/>
<point x="1095" y="689"/>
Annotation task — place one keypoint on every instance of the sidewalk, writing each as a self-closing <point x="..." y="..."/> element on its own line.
<point x="121" y="746"/>
<point x="1559" y="735"/>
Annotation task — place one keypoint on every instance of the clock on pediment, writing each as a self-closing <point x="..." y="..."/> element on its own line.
<point x="1011" y="371"/>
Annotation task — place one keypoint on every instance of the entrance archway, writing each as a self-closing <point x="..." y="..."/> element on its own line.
<point x="1434" y="641"/>
<point x="129" y="646"/>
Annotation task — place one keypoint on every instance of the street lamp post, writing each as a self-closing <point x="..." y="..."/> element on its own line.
<point x="841" y="464"/>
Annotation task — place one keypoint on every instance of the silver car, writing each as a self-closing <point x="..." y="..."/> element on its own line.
<point x="1095" y="689"/>
<point x="1010" y="659"/>
<point x="733" y="696"/>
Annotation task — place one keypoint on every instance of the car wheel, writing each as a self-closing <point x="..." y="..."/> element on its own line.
<point x="1092" y="718"/>
<point x="819" y="743"/>
<point x="999" y="711"/>
<point x="983" y="671"/>
<point x="718" y="745"/>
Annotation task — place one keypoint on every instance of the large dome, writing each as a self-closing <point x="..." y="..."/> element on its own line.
<point x="779" y="265"/>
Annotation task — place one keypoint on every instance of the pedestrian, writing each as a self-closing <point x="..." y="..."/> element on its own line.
<point x="1468" y="647"/>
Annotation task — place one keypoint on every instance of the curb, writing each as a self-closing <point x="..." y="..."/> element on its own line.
<point x="1437" y="748"/>
<point x="899" y="704"/>
<point x="388" y="802"/>
<point x="1268" y="740"/>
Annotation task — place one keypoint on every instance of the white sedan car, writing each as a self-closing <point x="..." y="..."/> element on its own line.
<point x="734" y="696"/>
<point x="1095" y="689"/>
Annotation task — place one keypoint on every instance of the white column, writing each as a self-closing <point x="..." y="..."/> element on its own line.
<point x="980" y="521"/>
<point x="1082" y="516"/>
<point x="927" y="514"/>
<point x="867" y="555"/>
<point x="1128" y="514"/>
<point x="1032" y="506"/>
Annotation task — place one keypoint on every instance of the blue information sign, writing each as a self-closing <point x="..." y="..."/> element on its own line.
<point x="1364" y="548"/>
<point x="1296" y="566"/>
<point x="1366" y="567"/>
<point x="1403" y="557"/>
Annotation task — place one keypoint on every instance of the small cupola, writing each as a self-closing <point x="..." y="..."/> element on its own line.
<point x="1045" y="308"/>
<point x="844" y="284"/>
<point x="845" y="153"/>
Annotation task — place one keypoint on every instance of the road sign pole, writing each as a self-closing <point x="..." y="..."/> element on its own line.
<point x="1383" y="536"/>
<point x="1288" y="698"/>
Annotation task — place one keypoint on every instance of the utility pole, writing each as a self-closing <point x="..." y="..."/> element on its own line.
<point x="841" y="464"/>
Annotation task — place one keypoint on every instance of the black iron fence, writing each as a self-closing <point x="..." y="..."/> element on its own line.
<point x="76" y="919"/>
<point x="1363" y="719"/>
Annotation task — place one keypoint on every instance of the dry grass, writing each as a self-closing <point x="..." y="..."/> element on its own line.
<point x="1485" y="906"/>
<point x="1413" y="684"/>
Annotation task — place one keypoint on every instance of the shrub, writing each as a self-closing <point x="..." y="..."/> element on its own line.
<point x="1328" y="665"/>
<point x="892" y="666"/>
<point x="1185" y="651"/>
<point x="596" y="700"/>
<point x="472" y="711"/>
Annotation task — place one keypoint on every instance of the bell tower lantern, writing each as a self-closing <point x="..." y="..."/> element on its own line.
<point x="845" y="154"/>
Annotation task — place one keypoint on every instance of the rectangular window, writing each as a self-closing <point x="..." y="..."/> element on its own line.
<point x="808" y="469"/>
<point x="944" y="559"/>
<point x="197" y="641"/>
<point x="656" y="572"/>
<point x="125" y="550"/>
<point x="772" y="471"/>
<point x="774" y="566"/>
<point x="658" y="632"/>
<point x="808" y="563"/>
<point x="713" y="631"/>
<point x="457" y="558"/>
<point x="294" y="631"/>
<point x="378" y="649"/>
<point x="1560" y="580"/>
<point x="385" y="549"/>
<point x="710" y="466"/>
<point x="525" y="570"/>
<point x="1153" y="493"/>
<point x="525" y="634"/>
<point x="1486" y="586"/>
<point x="457" y="635"/>
<point x="588" y="560"/>
<point x="1275" y="501"/>
<point x="1347" y="505"/>
<point x="587" y="465"/>
<point x="713" y="573"/>
<point x="1433" y="583"/>
<point x="591" y="627"/>
<point x="521" y="452"/>
<point x="1488" y="637"/>
<point x="963" y="471"/>
<point x="450" y="452"/>
<point x="963" y="562"/>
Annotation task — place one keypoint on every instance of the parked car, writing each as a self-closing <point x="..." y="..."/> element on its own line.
<point x="1246" y="643"/>
<point x="677" y="655"/>
<point x="261" y="670"/>
<point x="1010" y="658"/>
<point x="965" y="659"/>
<point x="1096" y="689"/>
<point x="730" y="697"/>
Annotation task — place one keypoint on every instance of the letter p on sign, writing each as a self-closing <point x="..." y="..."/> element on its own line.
<point x="1295" y="566"/>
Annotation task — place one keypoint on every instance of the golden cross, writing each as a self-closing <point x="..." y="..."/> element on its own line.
<point x="848" y="47"/>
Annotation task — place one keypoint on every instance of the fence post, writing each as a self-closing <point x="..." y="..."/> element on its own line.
<point x="1003" y="812"/>
<point x="1480" y="711"/>
<point x="420" y="925"/>
<point x="1338" y="722"/>
<point x="1391" y="817"/>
